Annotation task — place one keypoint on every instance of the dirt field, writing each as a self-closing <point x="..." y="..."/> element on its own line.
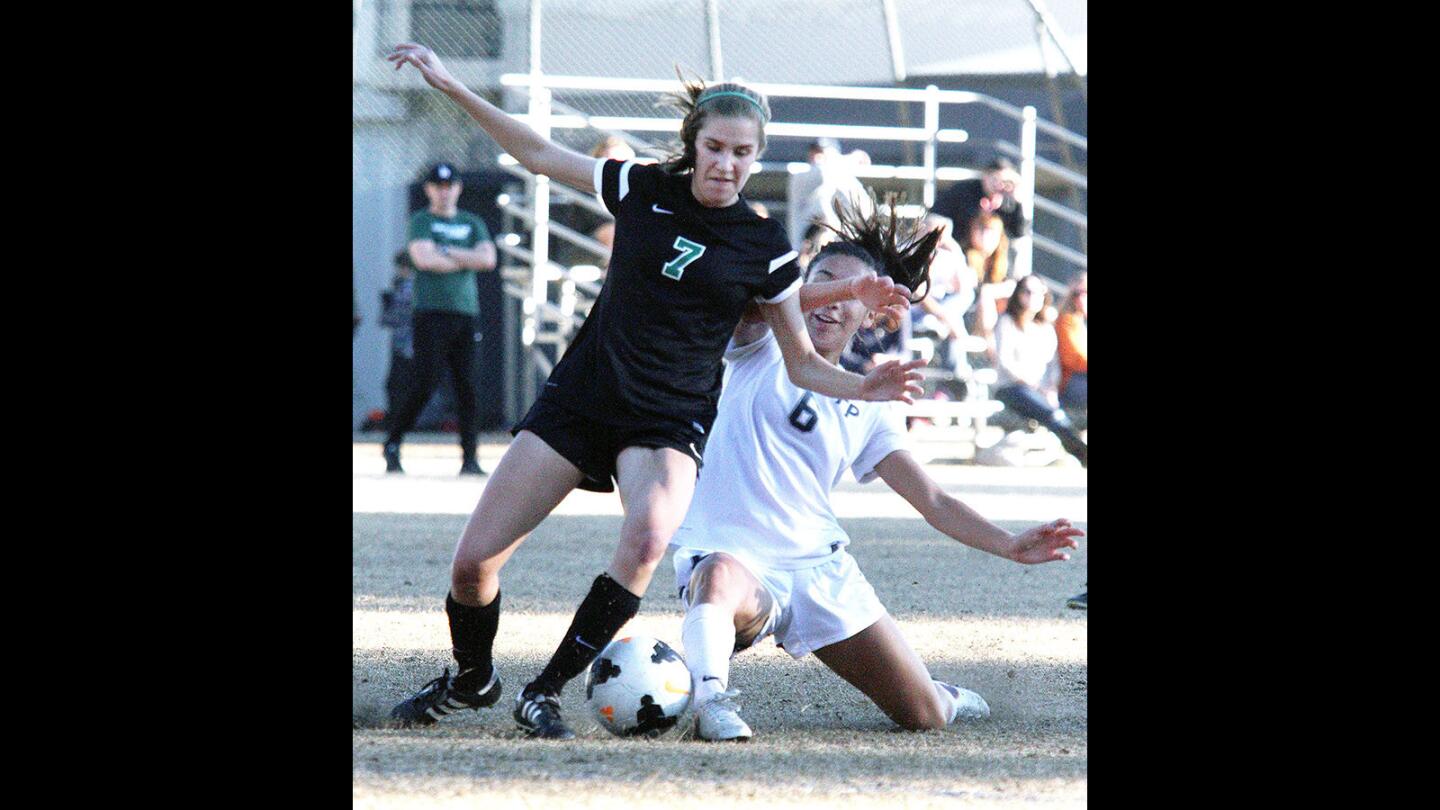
<point x="993" y="626"/>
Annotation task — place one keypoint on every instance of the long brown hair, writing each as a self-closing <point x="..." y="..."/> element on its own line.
<point x="994" y="267"/>
<point x="895" y="246"/>
<point x="697" y="102"/>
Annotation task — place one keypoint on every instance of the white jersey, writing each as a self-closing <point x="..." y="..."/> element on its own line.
<point x="773" y="456"/>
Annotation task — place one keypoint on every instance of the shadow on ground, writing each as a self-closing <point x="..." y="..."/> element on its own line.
<point x="402" y="562"/>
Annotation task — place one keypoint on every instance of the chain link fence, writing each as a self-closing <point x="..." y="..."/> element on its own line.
<point x="400" y="126"/>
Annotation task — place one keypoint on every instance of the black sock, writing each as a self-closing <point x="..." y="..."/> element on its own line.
<point x="605" y="610"/>
<point x="472" y="632"/>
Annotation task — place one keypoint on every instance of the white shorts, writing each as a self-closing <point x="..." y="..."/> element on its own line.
<point x="811" y="607"/>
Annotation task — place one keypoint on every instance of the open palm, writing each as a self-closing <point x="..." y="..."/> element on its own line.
<point x="1045" y="543"/>
<point x="893" y="380"/>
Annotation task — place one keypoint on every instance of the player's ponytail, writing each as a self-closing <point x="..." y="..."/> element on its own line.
<point x="896" y="247"/>
<point x="697" y="102"/>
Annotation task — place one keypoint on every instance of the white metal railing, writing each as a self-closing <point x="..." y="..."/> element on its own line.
<point x="552" y="323"/>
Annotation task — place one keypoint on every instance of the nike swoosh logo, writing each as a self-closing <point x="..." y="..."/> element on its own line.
<point x="657" y="209"/>
<point x="582" y="642"/>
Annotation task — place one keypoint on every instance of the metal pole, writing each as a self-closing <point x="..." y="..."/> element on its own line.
<point x="932" y="125"/>
<point x="537" y="188"/>
<point x="535" y="37"/>
<point x="712" y="35"/>
<point x="892" y="35"/>
<point x="1053" y="29"/>
<point x="1024" y="246"/>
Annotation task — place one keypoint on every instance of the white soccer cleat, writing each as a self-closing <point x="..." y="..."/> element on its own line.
<point x="719" y="719"/>
<point x="968" y="705"/>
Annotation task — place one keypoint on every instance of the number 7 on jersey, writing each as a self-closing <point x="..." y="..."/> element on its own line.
<point x="689" y="252"/>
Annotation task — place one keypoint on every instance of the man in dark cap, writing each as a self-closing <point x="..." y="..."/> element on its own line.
<point x="447" y="247"/>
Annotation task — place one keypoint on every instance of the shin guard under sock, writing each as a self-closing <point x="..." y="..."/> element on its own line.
<point x="605" y="610"/>
<point x="472" y="634"/>
<point x="708" y="634"/>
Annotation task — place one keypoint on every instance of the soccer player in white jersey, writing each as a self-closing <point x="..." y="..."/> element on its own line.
<point x="630" y="403"/>
<point x="760" y="551"/>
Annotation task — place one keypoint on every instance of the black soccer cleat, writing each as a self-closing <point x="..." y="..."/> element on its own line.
<point x="1077" y="601"/>
<point x="539" y="716"/>
<point x="441" y="697"/>
<point x="392" y="458"/>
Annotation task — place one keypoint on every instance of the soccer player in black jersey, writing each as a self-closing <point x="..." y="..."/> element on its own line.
<point x="635" y="394"/>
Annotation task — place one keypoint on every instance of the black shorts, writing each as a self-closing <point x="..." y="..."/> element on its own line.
<point x="593" y="446"/>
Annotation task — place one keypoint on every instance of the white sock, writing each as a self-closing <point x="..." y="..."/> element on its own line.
<point x="708" y="635"/>
<point x="968" y="705"/>
<point x="947" y="701"/>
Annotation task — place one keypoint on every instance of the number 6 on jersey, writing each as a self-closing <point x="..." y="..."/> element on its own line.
<point x="689" y="252"/>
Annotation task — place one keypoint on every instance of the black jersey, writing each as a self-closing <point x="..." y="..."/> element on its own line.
<point x="680" y="277"/>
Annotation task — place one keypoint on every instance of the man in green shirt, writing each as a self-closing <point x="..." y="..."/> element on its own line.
<point x="448" y="247"/>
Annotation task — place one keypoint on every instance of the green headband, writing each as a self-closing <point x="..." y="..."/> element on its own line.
<point x="720" y="93"/>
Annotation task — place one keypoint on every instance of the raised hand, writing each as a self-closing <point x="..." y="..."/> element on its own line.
<point x="425" y="61"/>
<point x="880" y="293"/>
<point x="1045" y="543"/>
<point x="893" y="380"/>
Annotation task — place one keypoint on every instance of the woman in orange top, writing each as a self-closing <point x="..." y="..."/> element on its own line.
<point x="1074" y="353"/>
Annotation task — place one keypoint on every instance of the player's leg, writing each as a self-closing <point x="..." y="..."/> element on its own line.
<point x="727" y="609"/>
<point x="429" y="343"/>
<point x="530" y="481"/>
<point x="879" y="662"/>
<point x="655" y="488"/>
<point x="1029" y="403"/>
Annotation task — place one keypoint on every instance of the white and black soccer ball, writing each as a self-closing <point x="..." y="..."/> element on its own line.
<point x="638" y="686"/>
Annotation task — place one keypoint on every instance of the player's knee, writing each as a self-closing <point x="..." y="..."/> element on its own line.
<point x="718" y="578"/>
<point x="468" y="570"/>
<point x="645" y="544"/>
<point x="922" y="715"/>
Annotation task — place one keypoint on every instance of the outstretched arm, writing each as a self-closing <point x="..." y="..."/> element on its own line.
<point x="1044" y="543"/>
<point x="807" y="369"/>
<point x="878" y="293"/>
<point x="539" y="155"/>
<point x="875" y="292"/>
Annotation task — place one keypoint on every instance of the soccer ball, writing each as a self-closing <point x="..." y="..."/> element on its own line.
<point x="638" y="686"/>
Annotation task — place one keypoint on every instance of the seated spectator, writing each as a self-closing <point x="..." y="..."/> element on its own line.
<point x="987" y="249"/>
<point x="817" y="236"/>
<point x="1026" y="367"/>
<point x="611" y="146"/>
<point x="577" y="218"/>
<point x="1070" y="330"/>
<point x="952" y="295"/>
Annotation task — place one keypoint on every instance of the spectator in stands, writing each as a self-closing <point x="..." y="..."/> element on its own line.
<point x="987" y="249"/>
<point x="987" y="253"/>
<point x="817" y="236"/>
<point x="993" y="192"/>
<point x="811" y="195"/>
<point x="952" y="296"/>
<point x="1070" y="330"/>
<point x="1027" y="371"/>
<point x="578" y="218"/>
<point x="603" y="231"/>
